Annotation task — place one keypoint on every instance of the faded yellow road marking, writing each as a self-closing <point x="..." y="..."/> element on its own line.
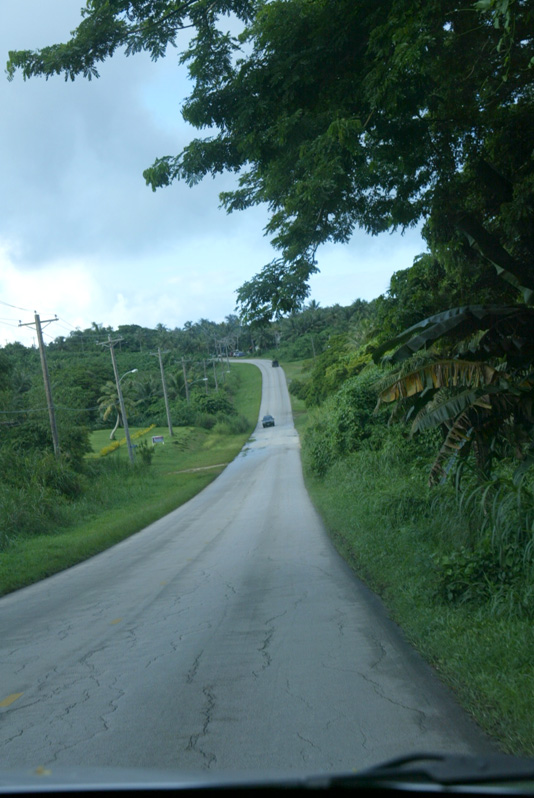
<point x="10" y="699"/>
<point x="117" y="620"/>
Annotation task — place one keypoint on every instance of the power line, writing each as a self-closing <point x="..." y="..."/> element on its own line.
<point x="69" y="324"/>
<point x="14" y="306"/>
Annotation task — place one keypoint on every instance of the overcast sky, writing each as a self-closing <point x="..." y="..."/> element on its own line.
<point x="83" y="237"/>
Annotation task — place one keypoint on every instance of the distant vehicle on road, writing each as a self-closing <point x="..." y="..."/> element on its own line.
<point x="275" y="363"/>
<point x="239" y="354"/>
<point x="267" y="421"/>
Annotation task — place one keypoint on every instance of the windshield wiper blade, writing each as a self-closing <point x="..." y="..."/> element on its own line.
<point x="444" y="769"/>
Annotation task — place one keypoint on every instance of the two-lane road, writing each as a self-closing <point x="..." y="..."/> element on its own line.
<point x="229" y="635"/>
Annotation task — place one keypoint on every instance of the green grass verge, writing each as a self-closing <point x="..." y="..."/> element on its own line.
<point x="126" y="500"/>
<point x="387" y="525"/>
<point x="387" y="530"/>
<point x="298" y="369"/>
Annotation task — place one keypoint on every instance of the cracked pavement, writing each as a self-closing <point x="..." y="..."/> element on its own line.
<point x="228" y="636"/>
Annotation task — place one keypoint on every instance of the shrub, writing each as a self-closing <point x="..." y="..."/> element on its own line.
<point x="482" y="574"/>
<point x="204" y="420"/>
<point x="343" y="422"/>
<point x="145" y="452"/>
<point x="183" y="414"/>
<point x="231" y="425"/>
<point x="213" y="403"/>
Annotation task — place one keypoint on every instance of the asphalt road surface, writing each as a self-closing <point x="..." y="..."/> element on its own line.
<point x="228" y="636"/>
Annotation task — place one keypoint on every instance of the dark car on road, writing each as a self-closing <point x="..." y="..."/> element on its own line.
<point x="267" y="421"/>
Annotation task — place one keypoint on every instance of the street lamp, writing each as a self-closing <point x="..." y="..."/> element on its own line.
<point x="194" y="382"/>
<point x="132" y="371"/>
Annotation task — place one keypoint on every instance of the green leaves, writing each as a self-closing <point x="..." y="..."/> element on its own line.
<point x="346" y="114"/>
<point x="135" y="25"/>
<point x="277" y="290"/>
<point x="458" y="322"/>
<point x="485" y="404"/>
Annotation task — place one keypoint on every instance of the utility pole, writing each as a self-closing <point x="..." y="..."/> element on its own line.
<point x="46" y="377"/>
<point x="185" y="381"/>
<point x="215" y="375"/>
<point x="160" y="353"/>
<point x="111" y="344"/>
<point x="205" y="377"/>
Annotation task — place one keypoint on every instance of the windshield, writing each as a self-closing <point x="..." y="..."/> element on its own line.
<point x="292" y="534"/>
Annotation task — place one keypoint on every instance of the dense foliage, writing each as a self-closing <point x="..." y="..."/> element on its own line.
<point x="38" y="491"/>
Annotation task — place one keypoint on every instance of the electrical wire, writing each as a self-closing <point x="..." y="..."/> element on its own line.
<point x="16" y="307"/>
<point x="68" y="323"/>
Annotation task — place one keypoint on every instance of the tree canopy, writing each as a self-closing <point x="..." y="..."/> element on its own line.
<point x="339" y="114"/>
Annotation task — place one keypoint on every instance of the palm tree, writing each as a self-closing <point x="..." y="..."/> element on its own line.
<point x="109" y="403"/>
<point x="146" y="390"/>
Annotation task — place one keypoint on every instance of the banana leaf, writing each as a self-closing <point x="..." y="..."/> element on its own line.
<point x="458" y="436"/>
<point x="459" y="322"/>
<point x="434" y="414"/>
<point x="440" y="374"/>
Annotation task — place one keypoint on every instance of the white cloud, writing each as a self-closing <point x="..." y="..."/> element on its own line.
<point x="68" y="289"/>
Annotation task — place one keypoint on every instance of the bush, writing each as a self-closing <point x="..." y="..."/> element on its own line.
<point x="213" y="403"/>
<point x="145" y="452"/>
<point x="231" y="425"/>
<point x="483" y="574"/>
<point x="344" y="421"/>
<point x="204" y="420"/>
<point x="183" y="414"/>
<point x="35" y="492"/>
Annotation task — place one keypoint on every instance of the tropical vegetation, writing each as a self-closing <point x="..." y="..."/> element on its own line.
<point x="419" y="441"/>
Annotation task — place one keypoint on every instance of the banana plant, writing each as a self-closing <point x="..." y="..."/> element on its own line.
<point x="481" y="395"/>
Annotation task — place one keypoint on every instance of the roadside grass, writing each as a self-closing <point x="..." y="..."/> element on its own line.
<point x="120" y="500"/>
<point x="387" y="528"/>
<point x="387" y="524"/>
<point x="298" y="369"/>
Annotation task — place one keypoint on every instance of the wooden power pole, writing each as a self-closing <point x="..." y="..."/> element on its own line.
<point x="46" y="376"/>
<point x="164" y="384"/>
<point x="111" y="344"/>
